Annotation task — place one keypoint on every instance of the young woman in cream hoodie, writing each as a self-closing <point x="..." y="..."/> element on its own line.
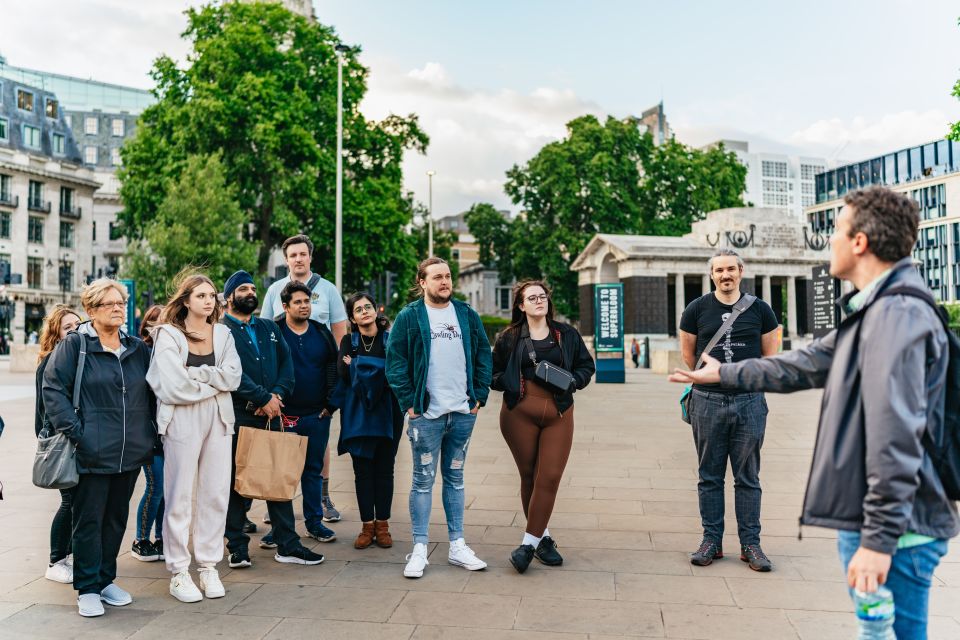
<point x="194" y="368"/>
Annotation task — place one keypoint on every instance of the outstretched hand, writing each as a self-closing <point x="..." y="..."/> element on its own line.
<point x="709" y="373"/>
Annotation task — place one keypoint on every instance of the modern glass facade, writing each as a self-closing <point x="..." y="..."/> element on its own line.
<point x="907" y="165"/>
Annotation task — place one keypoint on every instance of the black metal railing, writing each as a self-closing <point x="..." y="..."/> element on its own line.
<point x="38" y="205"/>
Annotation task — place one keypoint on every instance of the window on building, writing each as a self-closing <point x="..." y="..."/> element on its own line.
<point x="810" y="171"/>
<point x="35" y="230"/>
<point x="93" y="266"/>
<point x="91" y="126"/>
<point x="773" y="169"/>
<point x="503" y="298"/>
<point x="66" y="235"/>
<point x="35" y="273"/>
<point x="4" y="134"/>
<point x="4" y="267"/>
<point x="118" y="126"/>
<point x="35" y="195"/>
<point x="31" y="136"/>
<point x="66" y="200"/>
<point x="5" y="225"/>
<point x="59" y="142"/>
<point x="115" y="231"/>
<point x="778" y="186"/>
<point x="53" y="108"/>
<point x="115" y="156"/>
<point x="5" y="194"/>
<point x="90" y="155"/>
<point x="24" y="100"/>
<point x="66" y="275"/>
<point x="94" y="230"/>
<point x="455" y="254"/>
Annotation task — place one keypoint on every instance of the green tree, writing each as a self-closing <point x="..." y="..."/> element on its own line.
<point x="492" y="231"/>
<point x="198" y="223"/>
<point x="260" y="87"/>
<point x="605" y="178"/>
<point x="955" y="127"/>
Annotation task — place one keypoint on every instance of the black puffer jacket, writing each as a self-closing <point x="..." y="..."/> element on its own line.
<point x="114" y="430"/>
<point x="508" y="354"/>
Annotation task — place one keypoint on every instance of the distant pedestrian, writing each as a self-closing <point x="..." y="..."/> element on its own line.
<point x="635" y="353"/>
<point x="371" y="423"/>
<point x="61" y="321"/>
<point x="728" y="423"/>
<point x="536" y="417"/>
<point x="883" y="372"/>
<point x="195" y="366"/>
<point x="113" y="430"/>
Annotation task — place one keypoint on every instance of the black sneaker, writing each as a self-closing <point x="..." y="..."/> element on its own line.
<point x="249" y="527"/>
<point x="547" y="552"/>
<point x="158" y="546"/>
<point x="240" y="559"/>
<point x="706" y="554"/>
<point x="521" y="556"/>
<point x="144" y="551"/>
<point x="267" y="541"/>
<point x="322" y="533"/>
<point x="300" y="556"/>
<point x="754" y="556"/>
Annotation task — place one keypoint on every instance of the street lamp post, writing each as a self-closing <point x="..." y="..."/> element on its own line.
<point x="341" y="50"/>
<point x="430" y="175"/>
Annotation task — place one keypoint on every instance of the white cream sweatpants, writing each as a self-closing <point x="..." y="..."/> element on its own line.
<point x="196" y="447"/>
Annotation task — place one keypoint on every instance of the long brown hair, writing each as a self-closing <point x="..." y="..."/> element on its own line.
<point x="416" y="291"/>
<point x="175" y="312"/>
<point x="150" y="319"/>
<point x="517" y="317"/>
<point x="50" y="333"/>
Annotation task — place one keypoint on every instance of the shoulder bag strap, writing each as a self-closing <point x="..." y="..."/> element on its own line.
<point x="742" y="305"/>
<point x="78" y="380"/>
<point x="530" y="350"/>
<point x="312" y="283"/>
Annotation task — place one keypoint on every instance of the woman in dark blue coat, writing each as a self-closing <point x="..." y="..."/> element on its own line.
<point x="113" y="430"/>
<point x="370" y="420"/>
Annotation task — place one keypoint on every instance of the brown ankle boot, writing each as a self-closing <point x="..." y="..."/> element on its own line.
<point x="384" y="539"/>
<point x="365" y="539"/>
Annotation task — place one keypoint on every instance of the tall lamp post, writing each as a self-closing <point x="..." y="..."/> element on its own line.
<point x="341" y="50"/>
<point x="430" y="175"/>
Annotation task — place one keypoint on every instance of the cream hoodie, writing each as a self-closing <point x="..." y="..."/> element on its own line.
<point x="176" y="384"/>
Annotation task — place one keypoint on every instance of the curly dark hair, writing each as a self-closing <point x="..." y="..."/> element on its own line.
<point x="888" y="219"/>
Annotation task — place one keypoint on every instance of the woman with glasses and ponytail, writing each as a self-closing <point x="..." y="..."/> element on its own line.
<point x="538" y="363"/>
<point x="370" y="420"/>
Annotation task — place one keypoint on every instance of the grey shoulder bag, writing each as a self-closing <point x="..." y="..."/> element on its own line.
<point x="55" y="463"/>
<point x="742" y="305"/>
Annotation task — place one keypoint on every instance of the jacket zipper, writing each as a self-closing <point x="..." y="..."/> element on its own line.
<point x="123" y="398"/>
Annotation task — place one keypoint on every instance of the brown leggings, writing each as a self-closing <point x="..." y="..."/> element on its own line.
<point x="540" y="442"/>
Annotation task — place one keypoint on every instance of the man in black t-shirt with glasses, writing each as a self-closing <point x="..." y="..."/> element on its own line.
<point x="727" y="423"/>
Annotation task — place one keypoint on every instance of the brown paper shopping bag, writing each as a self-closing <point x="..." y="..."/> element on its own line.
<point x="269" y="463"/>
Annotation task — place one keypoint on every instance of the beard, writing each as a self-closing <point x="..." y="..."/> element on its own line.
<point x="245" y="305"/>
<point x="439" y="298"/>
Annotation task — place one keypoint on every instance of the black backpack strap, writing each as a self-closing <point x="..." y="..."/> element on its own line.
<point x="312" y="283"/>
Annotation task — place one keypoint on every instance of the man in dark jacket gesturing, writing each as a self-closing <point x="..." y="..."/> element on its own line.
<point x="267" y="379"/>
<point x="883" y="374"/>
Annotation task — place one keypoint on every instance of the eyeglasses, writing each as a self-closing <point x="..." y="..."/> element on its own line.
<point x="116" y="305"/>
<point x="362" y="308"/>
<point x="540" y="298"/>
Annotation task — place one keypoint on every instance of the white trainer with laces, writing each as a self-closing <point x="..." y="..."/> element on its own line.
<point x="210" y="583"/>
<point x="463" y="556"/>
<point x="416" y="561"/>
<point x="183" y="589"/>
<point x="60" y="571"/>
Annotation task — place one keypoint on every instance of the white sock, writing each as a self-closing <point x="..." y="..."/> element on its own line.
<point x="530" y="539"/>
<point x="546" y="533"/>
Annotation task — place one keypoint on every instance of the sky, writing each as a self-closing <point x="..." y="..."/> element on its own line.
<point x="494" y="81"/>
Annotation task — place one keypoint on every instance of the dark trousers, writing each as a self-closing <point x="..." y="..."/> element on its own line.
<point x="61" y="531"/>
<point x="281" y="519"/>
<point x="373" y="479"/>
<point x="317" y="431"/>
<point x="729" y="426"/>
<point x="101" y="504"/>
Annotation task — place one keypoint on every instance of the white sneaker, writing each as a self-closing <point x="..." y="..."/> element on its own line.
<point x="416" y="561"/>
<point x="89" y="605"/>
<point x="183" y="589"/>
<point x="60" y="571"/>
<point x="210" y="583"/>
<point x="463" y="556"/>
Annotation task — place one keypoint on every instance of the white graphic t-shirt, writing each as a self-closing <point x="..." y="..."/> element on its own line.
<point x="447" y="372"/>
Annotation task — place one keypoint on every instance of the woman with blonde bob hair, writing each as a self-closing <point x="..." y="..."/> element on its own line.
<point x="195" y="366"/>
<point x="113" y="429"/>
<point x="61" y="321"/>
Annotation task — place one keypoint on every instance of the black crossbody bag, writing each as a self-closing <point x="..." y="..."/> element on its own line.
<point x="549" y="375"/>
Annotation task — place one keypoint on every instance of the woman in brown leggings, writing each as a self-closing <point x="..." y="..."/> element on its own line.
<point x="536" y="419"/>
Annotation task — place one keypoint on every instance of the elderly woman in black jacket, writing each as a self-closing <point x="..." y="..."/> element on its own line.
<point x="114" y="432"/>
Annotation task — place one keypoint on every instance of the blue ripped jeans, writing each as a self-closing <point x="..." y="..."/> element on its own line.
<point x="439" y="441"/>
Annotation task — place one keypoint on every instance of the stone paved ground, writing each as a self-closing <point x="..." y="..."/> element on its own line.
<point x="625" y="520"/>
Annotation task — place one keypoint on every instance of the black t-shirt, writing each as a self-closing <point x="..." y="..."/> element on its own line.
<point x="703" y="318"/>
<point x="547" y="350"/>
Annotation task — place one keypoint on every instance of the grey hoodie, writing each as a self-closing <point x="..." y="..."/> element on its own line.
<point x="870" y="471"/>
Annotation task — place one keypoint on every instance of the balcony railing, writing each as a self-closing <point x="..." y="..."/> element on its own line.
<point x="70" y="212"/>
<point x="38" y="205"/>
<point x="7" y="200"/>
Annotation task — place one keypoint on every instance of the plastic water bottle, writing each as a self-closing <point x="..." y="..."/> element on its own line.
<point x="875" y="614"/>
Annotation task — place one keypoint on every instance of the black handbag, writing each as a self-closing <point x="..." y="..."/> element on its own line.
<point x="549" y="375"/>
